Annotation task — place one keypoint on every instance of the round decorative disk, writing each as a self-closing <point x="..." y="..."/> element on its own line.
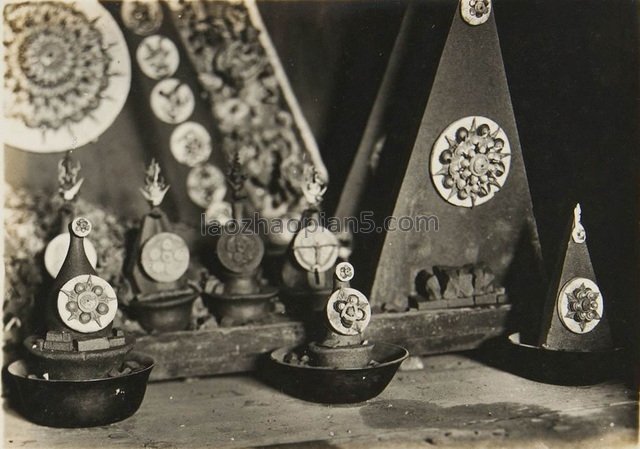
<point x="67" y="74"/>
<point x="165" y="257"/>
<point x="220" y="211"/>
<point x="87" y="303"/>
<point x="143" y="17"/>
<point x="470" y="161"/>
<point x="157" y="57"/>
<point x="344" y="271"/>
<point x="475" y="12"/>
<point x="348" y="311"/>
<point x="190" y="144"/>
<point x="206" y="184"/>
<point x="172" y="101"/>
<point x="315" y="248"/>
<point x="580" y="305"/>
<point x="57" y="250"/>
<point x="81" y="227"/>
<point x="240" y="252"/>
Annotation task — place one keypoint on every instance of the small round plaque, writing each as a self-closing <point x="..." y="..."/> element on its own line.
<point x="87" y="303"/>
<point x="158" y="57"/>
<point x="348" y="311"/>
<point x="172" y="101"/>
<point x="475" y="12"/>
<point x="580" y="305"/>
<point x="81" y="227"/>
<point x="344" y="271"/>
<point x="315" y="248"/>
<point x="141" y="16"/>
<point x="240" y="252"/>
<point x="165" y="257"/>
<point x="190" y="144"/>
<point x="206" y="184"/>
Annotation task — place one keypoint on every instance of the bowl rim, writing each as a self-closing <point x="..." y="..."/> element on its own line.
<point x="514" y="339"/>
<point x="395" y="361"/>
<point x="139" y="356"/>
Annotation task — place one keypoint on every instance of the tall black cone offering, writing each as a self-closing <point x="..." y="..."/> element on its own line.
<point x="574" y="344"/>
<point x="466" y="168"/>
<point x="81" y="372"/>
<point x="574" y="316"/>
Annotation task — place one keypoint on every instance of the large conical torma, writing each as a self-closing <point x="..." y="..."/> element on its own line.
<point x="466" y="168"/>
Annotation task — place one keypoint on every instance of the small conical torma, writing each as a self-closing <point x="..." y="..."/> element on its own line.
<point x="574" y="317"/>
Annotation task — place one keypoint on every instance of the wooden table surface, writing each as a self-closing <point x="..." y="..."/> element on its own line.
<point x="454" y="401"/>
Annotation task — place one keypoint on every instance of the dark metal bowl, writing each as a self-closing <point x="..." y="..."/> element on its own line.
<point x="79" y="403"/>
<point x="336" y="386"/>
<point x="563" y="367"/>
<point x="165" y="314"/>
<point x="75" y="365"/>
<point x="241" y="308"/>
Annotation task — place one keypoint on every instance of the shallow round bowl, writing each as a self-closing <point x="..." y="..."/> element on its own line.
<point x="563" y="367"/>
<point x="79" y="403"/>
<point x="333" y="385"/>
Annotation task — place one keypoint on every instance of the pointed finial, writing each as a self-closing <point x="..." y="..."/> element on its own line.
<point x="155" y="187"/>
<point x="69" y="184"/>
<point x="314" y="188"/>
<point x="236" y="177"/>
<point x="578" y="232"/>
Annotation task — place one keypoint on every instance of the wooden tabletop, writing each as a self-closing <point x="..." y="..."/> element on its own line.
<point x="454" y="401"/>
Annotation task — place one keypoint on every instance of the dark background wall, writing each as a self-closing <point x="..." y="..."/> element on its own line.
<point x="572" y="67"/>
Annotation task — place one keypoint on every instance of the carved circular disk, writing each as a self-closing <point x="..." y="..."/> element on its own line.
<point x="475" y="12"/>
<point x="206" y="184"/>
<point x="470" y="161"/>
<point x="315" y="248"/>
<point x="190" y="144"/>
<point x="81" y="227"/>
<point x="57" y="250"/>
<point x="87" y="303"/>
<point x="141" y="17"/>
<point x="158" y="57"/>
<point x="348" y="311"/>
<point x="577" y="291"/>
<point x="345" y="271"/>
<point x="67" y="74"/>
<point x="165" y="257"/>
<point x="172" y="101"/>
<point x="240" y="253"/>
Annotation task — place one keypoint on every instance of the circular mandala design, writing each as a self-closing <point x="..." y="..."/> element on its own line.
<point x="206" y="184"/>
<point x="172" y="101"/>
<point x="165" y="257"/>
<point x="142" y="17"/>
<point x="158" y="57"/>
<point x="241" y="252"/>
<point x="344" y="271"/>
<point x="57" y="250"/>
<point x="475" y="12"/>
<point x="315" y="248"/>
<point x="87" y="303"/>
<point x="190" y="144"/>
<point x="470" y="161"/>
<point x="67" y="74"/>
<point x="580" y="305"/>
<point x="348" y="311"/>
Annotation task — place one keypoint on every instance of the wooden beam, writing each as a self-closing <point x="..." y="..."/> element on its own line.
<point x="237" y="349"/>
